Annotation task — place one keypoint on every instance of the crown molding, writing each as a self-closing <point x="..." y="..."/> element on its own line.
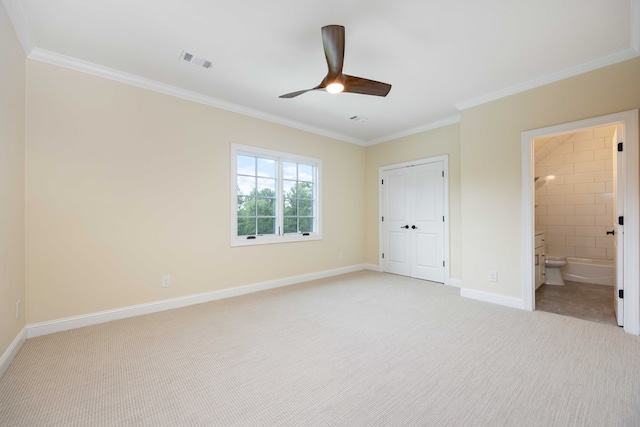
<point x="144" y="83"/>
<point x="423" y="128"/>
<point x="20" y="25"/>
<point x="604" y="61"/>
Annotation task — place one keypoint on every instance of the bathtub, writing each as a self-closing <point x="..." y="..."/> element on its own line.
<point x="586" y="270"/>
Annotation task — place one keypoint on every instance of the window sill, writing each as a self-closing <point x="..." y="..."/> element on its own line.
<point x="269" y="240"/>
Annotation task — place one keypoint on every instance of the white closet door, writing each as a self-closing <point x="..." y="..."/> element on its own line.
<point x="396" y="222"/>
<point x="413" y="224"/>
<point x="427" y="238"/>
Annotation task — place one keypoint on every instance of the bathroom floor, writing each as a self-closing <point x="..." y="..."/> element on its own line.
<point x="582" y="300"/>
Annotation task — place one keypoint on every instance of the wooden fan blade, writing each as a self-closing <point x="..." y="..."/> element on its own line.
<point x="333" y="42"/>
<point x="365" y="86"/>
<point x="294" y="94"/>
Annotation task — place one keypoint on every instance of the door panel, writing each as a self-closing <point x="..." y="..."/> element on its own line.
<point x="396" y="253"/>
<point x="414" y="197"/>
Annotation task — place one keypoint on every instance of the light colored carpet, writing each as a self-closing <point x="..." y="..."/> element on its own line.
<point x="363" y="349"/>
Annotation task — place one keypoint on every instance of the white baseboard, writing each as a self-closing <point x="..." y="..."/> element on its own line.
<point x="10" y="353"/>
<point x="73" y="322"/>
<point x="456" y="283"/>
<point x="492" y="298"/>
<point x="372" y="267"/>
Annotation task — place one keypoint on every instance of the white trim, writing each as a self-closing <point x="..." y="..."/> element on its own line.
<point x="131" y="79"/>
<point x="372" y="267"/>
<point x="631" y="153"/>
<point x="11" y="352"/>
<point x="20" y="25"/>
<point x="595" y="64"/>
<point x="279" y="157"/>
<point x="423" y="128"/>
<point x="73" y="322"/>
<point x="456" y="283"/>
<point x="445" y="164"/>
<point x="492" y="298"/>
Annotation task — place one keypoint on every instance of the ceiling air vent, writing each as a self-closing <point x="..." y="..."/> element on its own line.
<point x="191" y="58"/>
<point x="358" y="119"/>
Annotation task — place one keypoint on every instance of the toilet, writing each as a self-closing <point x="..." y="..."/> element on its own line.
<point x="552" y="265"/>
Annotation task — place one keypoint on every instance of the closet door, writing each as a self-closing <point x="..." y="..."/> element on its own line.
<point x="413" y="221"/>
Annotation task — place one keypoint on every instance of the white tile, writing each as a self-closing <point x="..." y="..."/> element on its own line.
<point x="579" y="156"/>
<point x="541" y="191"/>
<point x="582" y="220"/>
<point x="610" y="209"/>
<point x="553" y="250"/>
<point x="591" y="209"/>
<point x="559" y="230"/>
<point x="604" y="176"/>
<point x="540" y="171"/>
<point x="579" y="199"/>
<point x="560" y="169"/>
<point x="595" y="253"/>
<point x="594" y="166"/>
<point x="551" y="161"/>
<point x="591" y="187"/>
<point x="611" y="254"/>
<point x="551" y="220"/>
<point x="593" y="231"/>
<point x="579" y="178"/>
<point x="581" y="241"/>
<point x="554" y="240"/>
<point x="605" y="242"/>
<point x="562" y="189"/>
<point x="585" y="135"/>
<point x="560" y="210"/>
<point x="565" y="148"/>
<point x="594" y="144"/>
<point x="604" y="197"/>
<point x="604" y="132"/>
<point x="605" y="220"/>
<point x="550" y="200"/>
<point x="603" y="153"/>
<point x="608" y="165"/>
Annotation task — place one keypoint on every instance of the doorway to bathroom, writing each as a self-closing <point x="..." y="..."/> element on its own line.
<point x="580" y="186"/>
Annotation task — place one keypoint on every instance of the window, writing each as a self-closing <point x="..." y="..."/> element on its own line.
<point x="275" y="196"/>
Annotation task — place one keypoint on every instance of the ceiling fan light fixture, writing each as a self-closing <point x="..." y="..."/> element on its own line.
<point x="335" y="87"/>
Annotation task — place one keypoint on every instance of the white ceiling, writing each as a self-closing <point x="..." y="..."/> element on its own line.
<point x="441" y="56"/>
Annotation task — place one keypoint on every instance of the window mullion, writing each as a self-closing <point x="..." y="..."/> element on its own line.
<point x="280" y="198"/>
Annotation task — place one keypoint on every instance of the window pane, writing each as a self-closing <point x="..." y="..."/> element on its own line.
<point x="266" y="207"/>
<point x="246" y="226"/>
<point x="246" y="206"/>
<point x="305" y="207"/>
<point x="289" y="170"/>
<point x="290" y="207"/>
<point x="305" y="172"/>
<point x="288" y="187"/>
<point x="246" y="185"/>
<point x="305" y="190"/>
<point x="306" y="225"/>
<point x="246" y="165"/>
<point x="266" y="187"/>
<point x="291" y="225"/>
<point x="266" y="225"/>
<point x="267" y="168"/>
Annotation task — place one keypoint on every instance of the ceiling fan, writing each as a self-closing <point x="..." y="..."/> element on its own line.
<point x="335" y="81"/>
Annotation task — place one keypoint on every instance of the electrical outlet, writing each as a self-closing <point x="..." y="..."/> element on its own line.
<point x="18" y="309"/>
<point x="166" y="281"/>
<point x="493" y="276"/>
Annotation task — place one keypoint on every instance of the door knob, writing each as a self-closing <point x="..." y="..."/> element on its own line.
<point x="611" y="233"/>
<point x="413" y="227"/>
<point x="406" y="226"/>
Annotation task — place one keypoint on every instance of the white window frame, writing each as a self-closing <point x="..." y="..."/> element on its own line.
<point x="280" y="157"/>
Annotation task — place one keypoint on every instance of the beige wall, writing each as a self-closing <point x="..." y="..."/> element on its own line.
<point x="12" y="127"/>
<point x="491" y="135"/>
<point x="125" y="185"/>
<point x="436" y="142"/>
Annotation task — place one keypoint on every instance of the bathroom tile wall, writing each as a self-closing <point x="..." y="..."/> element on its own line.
<point x="574" y="193"/>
